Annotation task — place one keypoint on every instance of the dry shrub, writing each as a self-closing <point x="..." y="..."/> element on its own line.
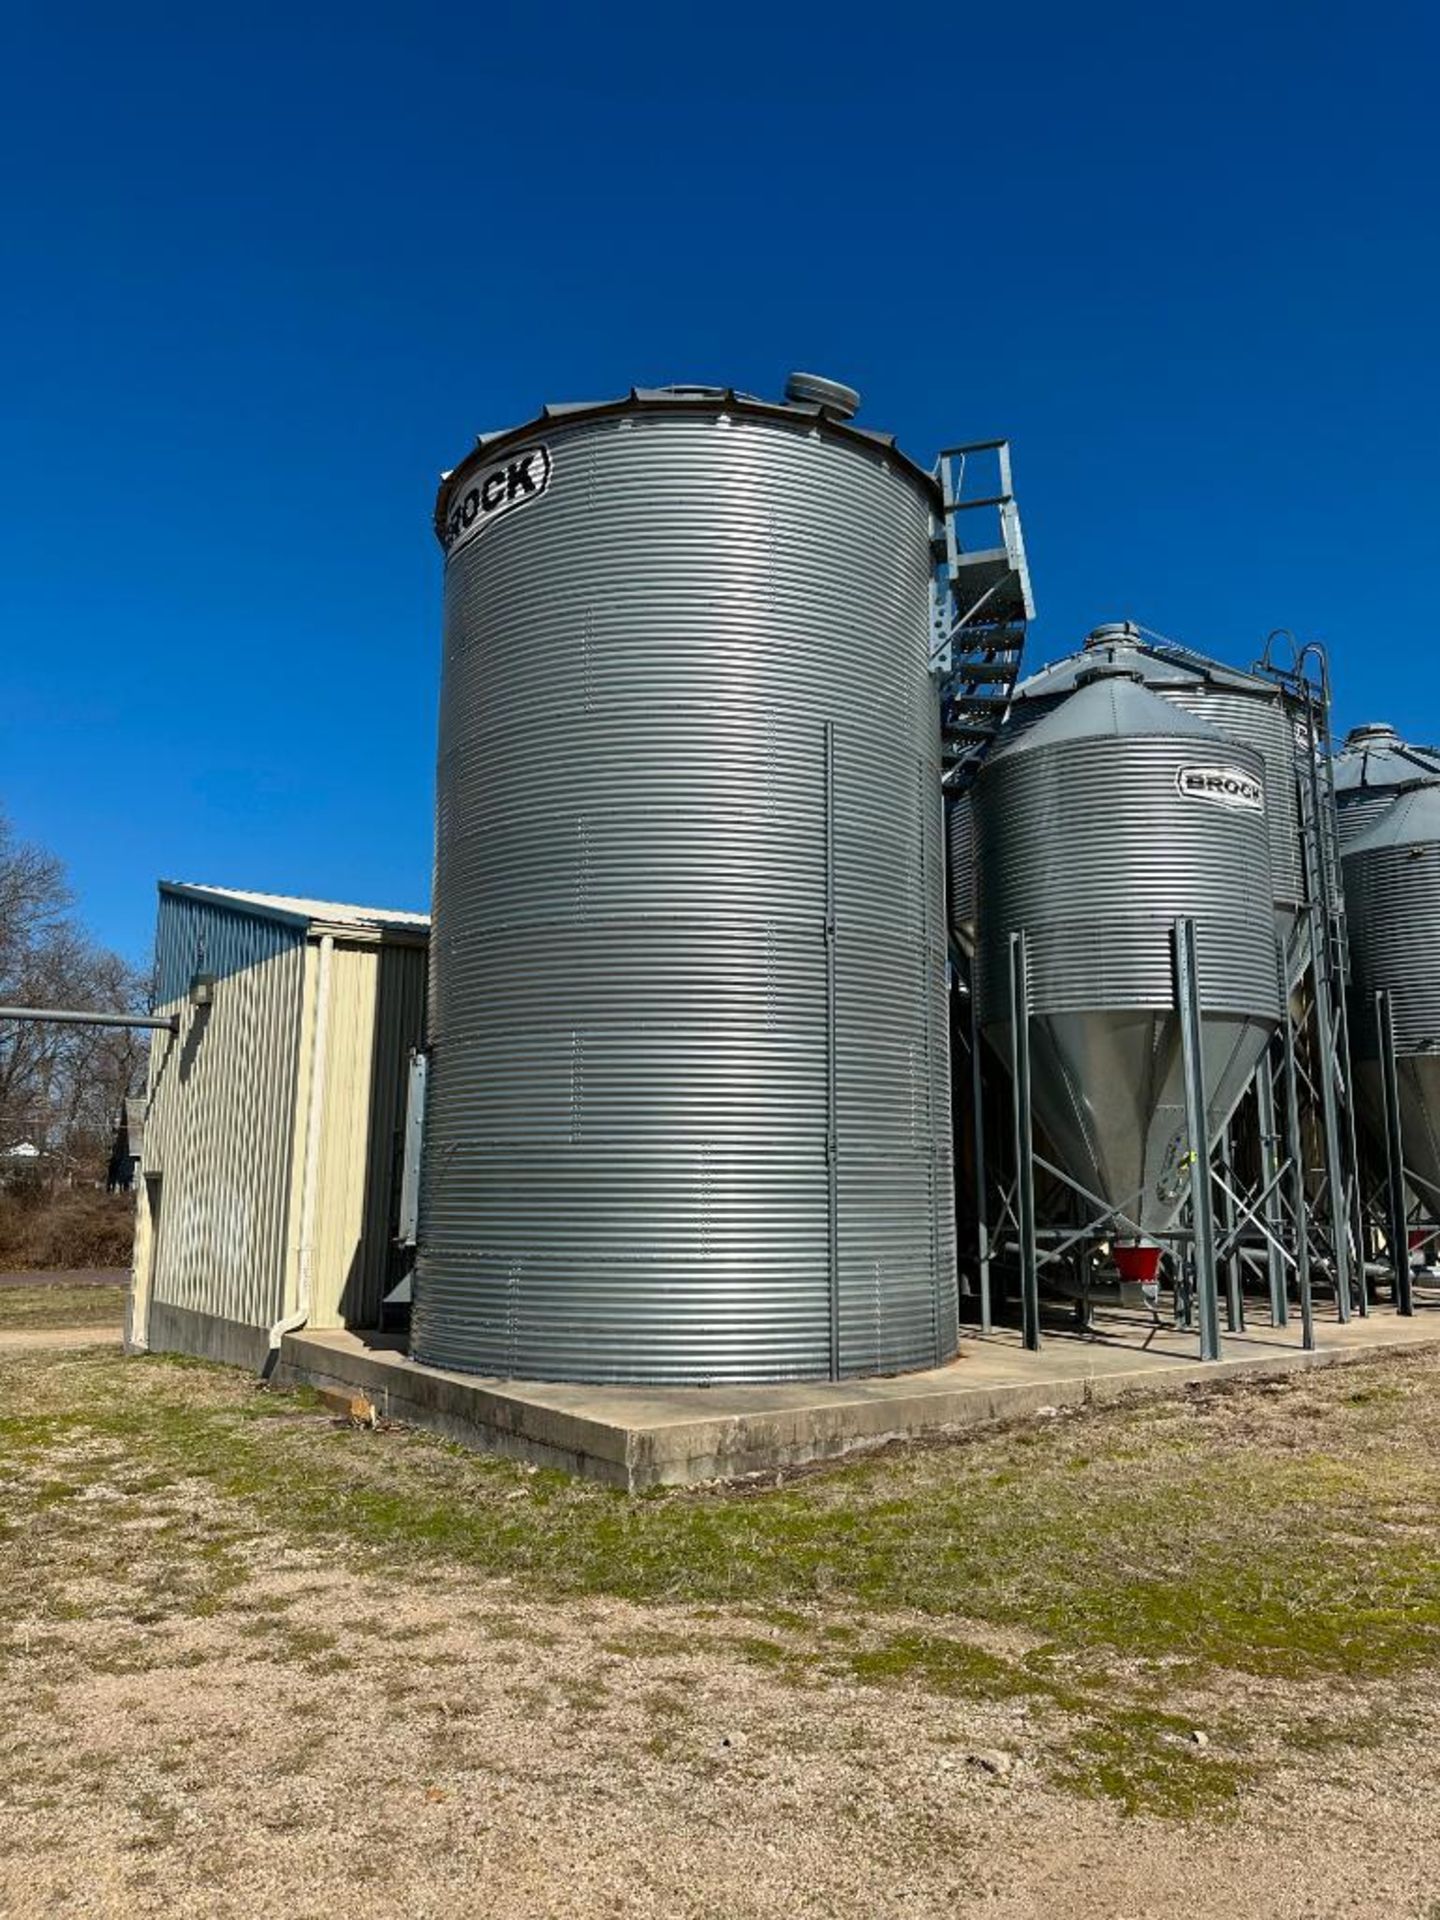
<point x="63" y="1229"/>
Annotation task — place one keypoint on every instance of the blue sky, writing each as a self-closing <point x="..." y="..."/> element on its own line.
<point x="269" y="269"/>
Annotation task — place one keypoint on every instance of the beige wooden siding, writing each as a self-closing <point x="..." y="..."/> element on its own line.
<point x="221" y="1107"/>
<point x="376" y="1014"/>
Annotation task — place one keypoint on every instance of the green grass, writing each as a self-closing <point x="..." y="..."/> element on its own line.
<point x="30" y="1309"/>
<point x="1320" y="1554"/>
<point x="1142" y="1759"/>
<point x="1081" y="1569"/>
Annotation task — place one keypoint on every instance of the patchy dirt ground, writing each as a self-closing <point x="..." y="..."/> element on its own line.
<point x="1154" y="1661"/>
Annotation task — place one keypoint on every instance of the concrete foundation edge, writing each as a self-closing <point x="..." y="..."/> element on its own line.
<point x="502" y="1418"/>
<point x="205" y="1337"/>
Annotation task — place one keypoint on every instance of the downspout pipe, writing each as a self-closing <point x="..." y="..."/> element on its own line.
<point x="310" y="1181"/>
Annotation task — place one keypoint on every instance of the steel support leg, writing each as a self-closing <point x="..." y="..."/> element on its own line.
<point x="1295" y="1149"/>
<point x="1357" y="1202"/>
<point x="1024" y="1141"/>
<point x="1080" y="1268"/>
<point x="1334" y="1164"/>
<point x="1197" y="1120"/>
<point x="832" y="1141"/>
<point x="1234" y="1293"/>
<point x="982" y="1204"/>
<point x="1397" y="1220"/>
<point x="1274" y="1211"/>
<point x="1184" y="1289"/>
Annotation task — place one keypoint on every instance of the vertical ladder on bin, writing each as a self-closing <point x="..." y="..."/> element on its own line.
<point x="982" y="603"/>
<point x="1324" y="1063"/>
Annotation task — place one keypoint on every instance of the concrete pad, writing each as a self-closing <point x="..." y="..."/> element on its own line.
<point x="637" y="1437"/>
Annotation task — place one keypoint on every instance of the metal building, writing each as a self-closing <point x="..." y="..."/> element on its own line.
<point x="687" y="1116"/>
<point x="273" y="1118"/>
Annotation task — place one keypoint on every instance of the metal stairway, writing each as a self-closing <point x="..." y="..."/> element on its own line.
<point x="982" y="601"/>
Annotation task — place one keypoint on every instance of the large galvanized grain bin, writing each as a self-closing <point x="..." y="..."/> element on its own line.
<point x="688" y="1114"/>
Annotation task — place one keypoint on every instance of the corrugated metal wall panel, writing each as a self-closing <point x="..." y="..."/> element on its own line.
<point x="1262" y="721"/>
<point x="960" y="866"/>
<point x="220" y="1110"/>
<point x="1244" y="709"/>
<point x="1090" y="848"/>
<point x="1392" y="898"/>
<point x="1359" y="808"/>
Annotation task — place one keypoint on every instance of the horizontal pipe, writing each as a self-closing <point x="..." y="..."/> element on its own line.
<point x="66" y="1017"/>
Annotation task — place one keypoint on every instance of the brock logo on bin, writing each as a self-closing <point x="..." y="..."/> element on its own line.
<point x="512" y="482"/>
<point x="1222" y="787"/>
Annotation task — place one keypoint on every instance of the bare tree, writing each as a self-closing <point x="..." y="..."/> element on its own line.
<point x="60" y="1087"/>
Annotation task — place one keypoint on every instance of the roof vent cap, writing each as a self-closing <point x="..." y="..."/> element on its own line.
<point x="691" y="390"/>
<point x="810" y="390"/>
<point x="1114" y="633"/>
<point x="1108" y="670"/>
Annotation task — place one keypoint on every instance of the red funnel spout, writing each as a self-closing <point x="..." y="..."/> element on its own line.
<point x="1138" y="1263"/>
